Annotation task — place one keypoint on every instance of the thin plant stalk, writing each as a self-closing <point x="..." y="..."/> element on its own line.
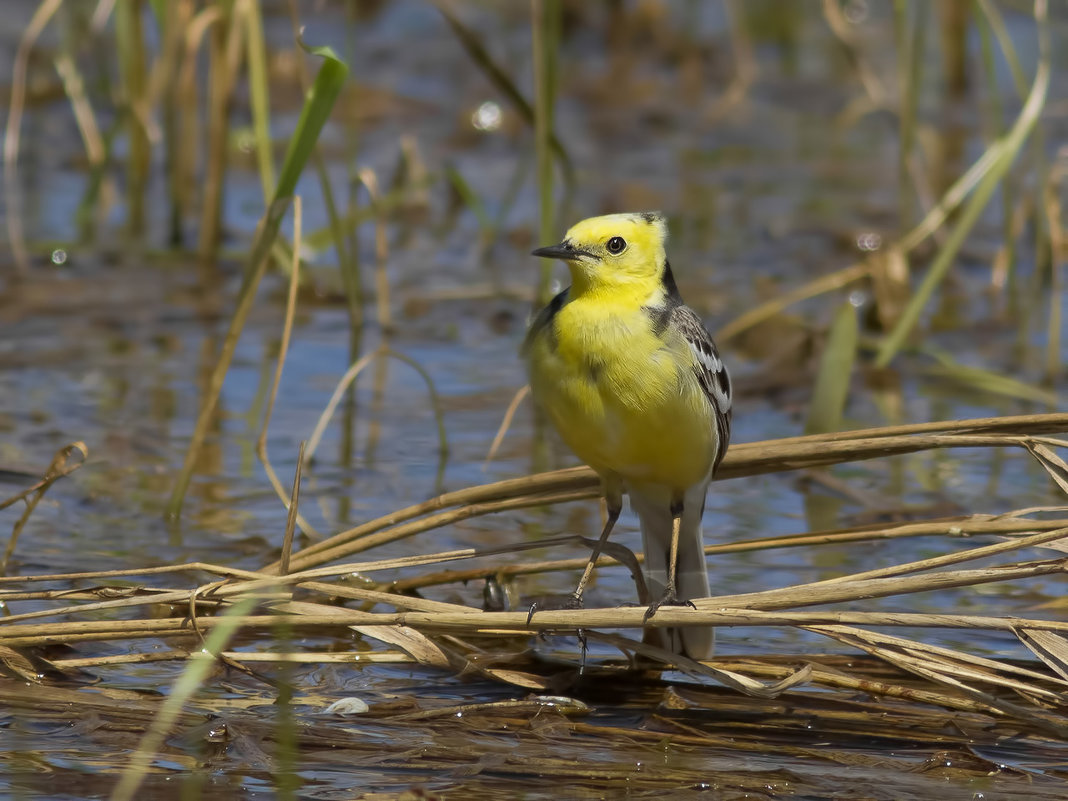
<point x="225" y="47"/>
<point x="133" y="69"/>
<point x="283" y="350"/>
<point x="1004" y="271"/>
<point x="250" y="15"/>
<point x="543" y="13"/>
<point x="1058" y="253"/>
<point x="12" y="194"/>
<point x="911" y="50"/>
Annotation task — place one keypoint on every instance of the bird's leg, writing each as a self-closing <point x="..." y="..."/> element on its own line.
<point x="613" y="515"/>
<point x="670" y="598"/>
<point x="615" y="506"/>
<point x="673" y="565"/>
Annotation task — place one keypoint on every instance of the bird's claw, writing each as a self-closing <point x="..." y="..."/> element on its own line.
<point x="574" y="601"/>
<point x="669" y="598"/>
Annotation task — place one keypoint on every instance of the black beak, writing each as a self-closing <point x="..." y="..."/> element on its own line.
<point x="565" y="251"/>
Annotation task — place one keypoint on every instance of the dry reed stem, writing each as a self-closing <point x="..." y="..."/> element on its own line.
<point x="472" y="621"/>
<point x="959" y="527"/>
<point x="298" y="657"/>
<point x="74" y="87"/>
<point x="736" y="681"/>
<point x="378" y="535"/>
<point x="743" y="459"/>
<point x="368" y="178"/>
<point x="843" y="589"/>
<point x="291" y="518"/>
<point x="945" y="668"/>
<point x="506" y="423"/>
<point x="380" y="353"/>
<point x="283" y="350"/>
<point x="775" y="306"/>
<point x="829" y="677"/>
<point x="935" y="652"/>
<point x="207" y="567"/>
<point x="57" y="469"/>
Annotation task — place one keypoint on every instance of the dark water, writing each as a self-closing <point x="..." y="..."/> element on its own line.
<point x="113" y="346"/>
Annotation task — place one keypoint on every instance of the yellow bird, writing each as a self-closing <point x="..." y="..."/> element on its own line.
<point x="633" y="382"/>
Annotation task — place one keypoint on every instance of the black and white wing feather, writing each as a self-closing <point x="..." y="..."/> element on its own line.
<point x="710" y="371"/>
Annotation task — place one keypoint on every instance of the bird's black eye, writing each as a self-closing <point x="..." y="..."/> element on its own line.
<point x="616" y="244"/>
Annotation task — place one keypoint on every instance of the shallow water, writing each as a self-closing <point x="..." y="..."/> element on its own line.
<point x="113" y="346"/>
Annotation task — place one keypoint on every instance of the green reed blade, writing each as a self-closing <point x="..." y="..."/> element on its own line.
<point x="836" y="369"/>
<point x="196" y="672"/>
<point x="985" y="380"/>
<point x="317" y="106"/>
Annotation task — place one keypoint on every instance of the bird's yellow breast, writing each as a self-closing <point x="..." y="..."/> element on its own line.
<point x="625" y="400"/>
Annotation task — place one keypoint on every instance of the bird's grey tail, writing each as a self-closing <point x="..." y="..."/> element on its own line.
<point x="654" y="514"/>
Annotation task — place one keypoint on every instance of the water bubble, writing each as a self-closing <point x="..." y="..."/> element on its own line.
<point x="487" y="117"/>
<point x="857" y="298"/>
<point x="59" y="257"/>
<point x="856" y="11"/>
<point x="869" y="241"/>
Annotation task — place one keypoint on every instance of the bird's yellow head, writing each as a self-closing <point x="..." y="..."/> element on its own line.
<point x="616" y="252"/>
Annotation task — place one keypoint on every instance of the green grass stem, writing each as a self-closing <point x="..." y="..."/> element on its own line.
<point x="133" y="72"/>
<point x="259" y="89"/>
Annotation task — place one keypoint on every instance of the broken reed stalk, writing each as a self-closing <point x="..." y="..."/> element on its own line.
<point x="743" y="459"/>
<point x="61" y="465"/>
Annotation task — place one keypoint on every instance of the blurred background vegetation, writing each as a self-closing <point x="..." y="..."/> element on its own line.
<point x="896" y="161"/>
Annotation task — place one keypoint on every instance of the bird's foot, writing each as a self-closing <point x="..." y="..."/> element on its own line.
<point x="669" y="598"/>
<point x="572" y="601"/>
